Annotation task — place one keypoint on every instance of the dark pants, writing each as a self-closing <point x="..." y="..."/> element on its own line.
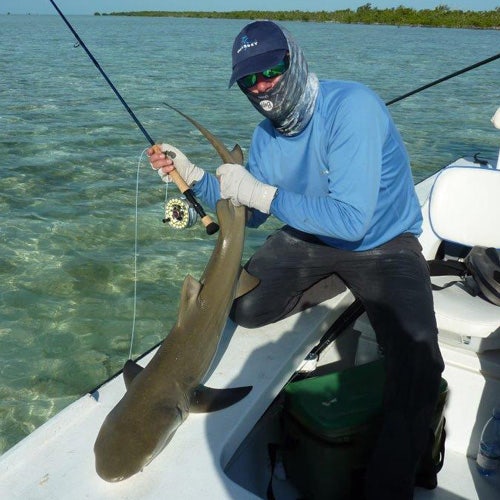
<point x="392" y="282"/>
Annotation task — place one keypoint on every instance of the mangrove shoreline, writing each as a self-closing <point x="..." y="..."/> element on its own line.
<point x="442" y="16"/>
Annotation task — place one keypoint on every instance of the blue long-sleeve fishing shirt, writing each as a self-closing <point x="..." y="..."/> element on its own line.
<point x="345" y="178"/>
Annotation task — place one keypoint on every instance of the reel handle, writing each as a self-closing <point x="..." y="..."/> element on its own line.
<point x="210" y="226"/>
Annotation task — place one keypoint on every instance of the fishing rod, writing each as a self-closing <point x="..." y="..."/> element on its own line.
<point x="210" y="226"/>
<point x="443" y="79"/>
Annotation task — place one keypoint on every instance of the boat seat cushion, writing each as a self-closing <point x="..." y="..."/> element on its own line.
<point x="464" y="206"/>
<point x="458" y="214"/>
<point x="465" y="320"/>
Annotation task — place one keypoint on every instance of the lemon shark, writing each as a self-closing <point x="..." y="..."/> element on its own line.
<point x="160" y="396"/>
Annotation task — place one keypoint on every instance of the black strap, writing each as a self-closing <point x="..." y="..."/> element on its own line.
<point x="438" y="267"/>
<point x="446" y="285"/>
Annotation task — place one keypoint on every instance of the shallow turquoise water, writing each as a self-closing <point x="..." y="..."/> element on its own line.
<point x="69" y="155"/>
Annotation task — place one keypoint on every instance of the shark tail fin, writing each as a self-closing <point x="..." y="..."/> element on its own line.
<point x="237" y="155"/>
<point x="206" y="399"/>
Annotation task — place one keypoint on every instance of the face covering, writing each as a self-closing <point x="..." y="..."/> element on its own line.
<point x="290" y="103"/>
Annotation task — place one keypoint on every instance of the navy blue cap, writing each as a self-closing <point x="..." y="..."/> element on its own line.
<point x="259" y="46"/>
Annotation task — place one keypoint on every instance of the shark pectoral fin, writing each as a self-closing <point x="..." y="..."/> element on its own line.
<point x="205" y="399"/>
<point x="246" y="283"/>
<point x="130" y="370"/>
<point x="237" y="155"/>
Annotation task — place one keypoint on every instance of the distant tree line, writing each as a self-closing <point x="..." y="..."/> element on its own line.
<point x="441" y="16"/>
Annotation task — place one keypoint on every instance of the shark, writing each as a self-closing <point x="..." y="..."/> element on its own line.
<point x="160" y="396"/>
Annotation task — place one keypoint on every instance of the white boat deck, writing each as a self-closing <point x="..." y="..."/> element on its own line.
<point x="459" y="480"/>
<point x="57" y="460"/>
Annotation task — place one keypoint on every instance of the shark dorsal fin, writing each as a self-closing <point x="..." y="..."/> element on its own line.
<point x="190" y="291"/>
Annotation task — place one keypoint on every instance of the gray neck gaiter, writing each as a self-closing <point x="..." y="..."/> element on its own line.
<point x="290" y="103"/>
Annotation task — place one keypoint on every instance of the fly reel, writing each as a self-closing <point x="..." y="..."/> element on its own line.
<point x="179" y="213"/>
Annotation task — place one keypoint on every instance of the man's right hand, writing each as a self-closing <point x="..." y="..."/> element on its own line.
<point x="172" y="158"/>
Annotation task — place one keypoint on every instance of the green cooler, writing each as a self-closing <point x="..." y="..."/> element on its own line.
<point x="330" y="426"/>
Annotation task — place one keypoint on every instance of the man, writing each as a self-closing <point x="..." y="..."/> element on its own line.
<point x="328" y="161"/>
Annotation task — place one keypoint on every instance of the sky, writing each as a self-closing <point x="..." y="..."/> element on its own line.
<point x="104" y="6"/>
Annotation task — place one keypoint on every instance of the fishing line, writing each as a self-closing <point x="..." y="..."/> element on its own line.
<point x="179" y="214"/>
<point x="136" y="251"/>
<point x="191" y="204"/>
<point x="210" y="226"/>
<point x="136" y="248"/>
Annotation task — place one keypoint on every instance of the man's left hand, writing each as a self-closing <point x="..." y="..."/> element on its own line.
<point x="242" y="188"/>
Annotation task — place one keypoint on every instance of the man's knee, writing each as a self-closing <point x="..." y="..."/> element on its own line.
<point x="248" y="312"/>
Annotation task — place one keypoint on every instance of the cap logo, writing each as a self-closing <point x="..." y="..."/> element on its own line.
<point x="246" y="43"/>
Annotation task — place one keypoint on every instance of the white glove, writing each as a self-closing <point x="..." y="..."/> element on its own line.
<point x="187" y="170"/>
<point x="238" y="184"/>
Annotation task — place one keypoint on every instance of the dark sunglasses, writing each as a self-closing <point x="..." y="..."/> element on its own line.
<point x="250" y="80"/>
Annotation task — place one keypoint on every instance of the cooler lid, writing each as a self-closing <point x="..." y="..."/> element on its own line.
<point x="337" y="403"/>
